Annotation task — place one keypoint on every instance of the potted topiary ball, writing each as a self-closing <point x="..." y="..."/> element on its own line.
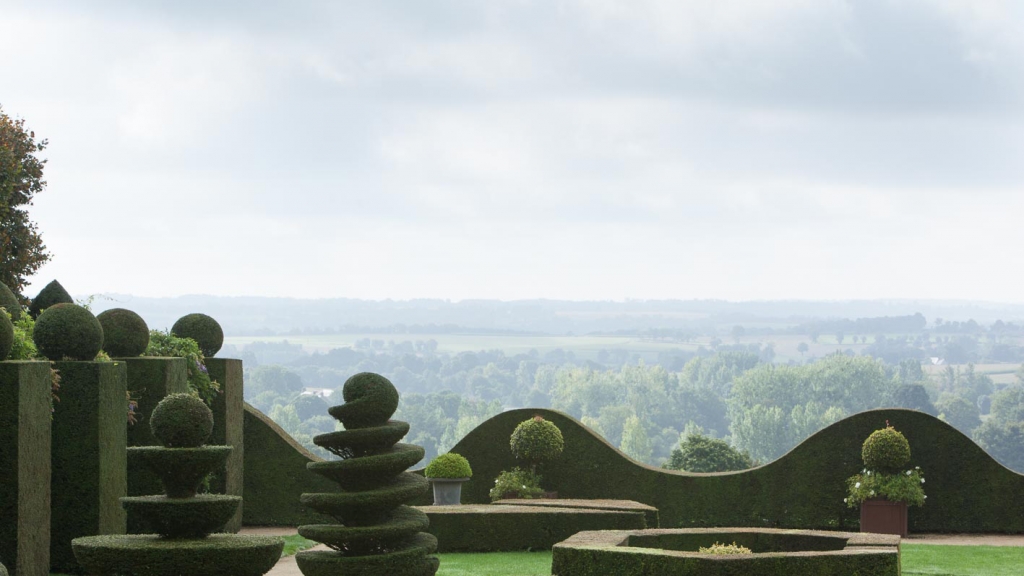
<point x="887" y="484"/>
<point x="446" y="473"/>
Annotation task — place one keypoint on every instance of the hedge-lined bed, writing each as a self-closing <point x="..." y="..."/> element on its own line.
<point x="775" y="553"/>
<point x="486" y="528"/>
<point x="967" y="490"/>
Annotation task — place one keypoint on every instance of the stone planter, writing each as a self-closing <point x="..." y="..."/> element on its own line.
<point x="881" y="516"/>
<point x="447" y="491"/>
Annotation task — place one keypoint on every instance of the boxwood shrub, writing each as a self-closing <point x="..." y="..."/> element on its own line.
<point x="450" y="465"/>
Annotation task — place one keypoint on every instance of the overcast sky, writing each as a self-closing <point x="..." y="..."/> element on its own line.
<point x="600" y="149"/>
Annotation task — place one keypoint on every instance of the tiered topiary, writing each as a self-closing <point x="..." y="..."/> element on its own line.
<point x="376" y="534"/>
<point x="203" y="329"/>
<point x="52" y="294"/>
<point x="182" y="520"/>
<point x="6" y="336"/>
<point x="68" y="332"/>
<point x="125" y="333"/>
<point x="9" y="302"/>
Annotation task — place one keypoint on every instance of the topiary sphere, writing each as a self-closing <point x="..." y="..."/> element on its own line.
<point x="537" y="440"/>
<point x="450" y="465"/>
<point x="9" y="302"/>
<point x="51" y="295"/>
<point x="201" y="328"/>
<point x="68" y="332"/>
<point x="125" y="333"/>
<point x="370" y="400"/>
<point x="886" y="450"/>
<point x="6" y="336"/>
<point x="181" y="421"/>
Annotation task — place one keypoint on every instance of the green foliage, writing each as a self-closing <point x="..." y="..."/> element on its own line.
<point x="1003" y="440"/>
<point x="181" y="421"/>
<point x="518" y="482"/>
<point x="21" y="177"/>
<point x="906" y="486"/>
<point x="699" y="453"/>
<point x="193" y="517"/>
<point x="960" y="413"/>
<point x="370" y="400"/>
<point x="449" y="465"/>
<point x="51" y="295"/>
<point x="886" y="450"/>
<point x="310" y="406"/>
<point x="536" y="441"/>
<point x="719" y="549"/>
<point x="148" y="555"/>
<point x="1008" y="405"/>
<point x="6" y="336"/>
<point x="913" y="397"/>
<point x="181" y="470"/>
<point x="68" y="331"/>
<point x="9" y="302"/>
<point x="125" y="333"/>
<point x="203" y="329"/>
<point x="164" y="344"/>
<point x="22" y="346"/>
<point x="635" y="442"/>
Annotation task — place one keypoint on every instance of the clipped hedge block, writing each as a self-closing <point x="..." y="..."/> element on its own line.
<point x="650" y="512"/>
<point x="229" y="430"/>
<point x="487" y="528"/>
<point x="148" y="555"/>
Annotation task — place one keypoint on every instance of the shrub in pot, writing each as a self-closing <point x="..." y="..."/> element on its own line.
<point x="887" y="484"/>
<point x="446" y="473"/>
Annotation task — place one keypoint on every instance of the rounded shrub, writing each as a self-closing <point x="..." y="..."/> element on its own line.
<point x="68" y="332"/>
<point x="51" y="295"/>
<point x="9" y="302"/>
<point x="201" y="328"/>
<point x="886" y="450"/>
<point x="537" y="440"/>
<point x="181" y="421"/>
<point x="125" y="333"/>
<point x="6" y="336"/>
<point x="448" y="465"/>
<point x="370" y="400"/>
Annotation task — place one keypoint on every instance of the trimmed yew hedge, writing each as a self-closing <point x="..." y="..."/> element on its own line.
<point x="147" y="555"/>
<point x="967" y="490"/>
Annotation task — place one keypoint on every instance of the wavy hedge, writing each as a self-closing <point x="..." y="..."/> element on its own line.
<point x="967" y="490"/>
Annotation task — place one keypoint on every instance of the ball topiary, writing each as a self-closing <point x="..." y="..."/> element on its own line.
<point x="201" y="328"/>
<point x="370" y="400"/>
<point x="181" y="421"/>
<point x="886" y="450"/>
<point x="6" y="336"/>
<point x="536" y="441"/>
<point x="450" y="465"/>
<point x="9" y="302"/>
<point x="68" y="332"/>
<point x="125" y="333"/>
<point x="52" y="294"/>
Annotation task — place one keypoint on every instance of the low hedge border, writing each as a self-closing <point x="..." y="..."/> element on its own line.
<point x="611" y="552"/>
<point x="148" y="555"/>
<point x="488" y="528"/>
<point x="650" y="512"/>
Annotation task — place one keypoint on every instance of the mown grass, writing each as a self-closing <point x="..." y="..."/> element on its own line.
<point x="938" y="560"/>
<point x="496" y="564"/>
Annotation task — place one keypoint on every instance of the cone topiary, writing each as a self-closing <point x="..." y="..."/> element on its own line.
<point x="9" y="302"/>
<point x="6" y="336"/>
<point x="68" y="332"/>
<point x="886" y="450"/>
<point x="376" y="533"/>
<point x="52" y="294"/>
<point x="125" y="333"/>
<point x="201" y="328"/>
<point x="181" y="421"/>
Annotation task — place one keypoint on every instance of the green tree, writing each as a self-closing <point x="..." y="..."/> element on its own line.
<point x="1003" y="441"/>
<point x="802" y="348"/>
<point x="1008" y="405"/>
<point x="635" y="441"/>
<point x="273" y="378"/>
<point x="959" y="412"/>
<point x="913" y="397"/>
<point x="22" y="251"/>
<point x="699" y="453"/>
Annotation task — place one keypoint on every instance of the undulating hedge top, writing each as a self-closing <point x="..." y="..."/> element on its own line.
<point x="125" y="333"/>
<point x="51" y="295"/>
<point x="68" y="332"/>
<point x="203" y="329"/>
<point x="450" y="465"/>
<point x="370" y="400"/>
<point x="886" y="450"/>
<point x="9" y="302"/>
<point x="181" y="421"/>
<point x="968" y="491"/>
<point x="6" y="336"/>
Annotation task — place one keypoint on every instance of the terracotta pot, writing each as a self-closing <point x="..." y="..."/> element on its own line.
<point x="881" y="516"/>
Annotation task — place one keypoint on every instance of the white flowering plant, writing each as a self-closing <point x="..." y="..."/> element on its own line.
<point x="518" y="482"/>
<point x="906" y="486"/>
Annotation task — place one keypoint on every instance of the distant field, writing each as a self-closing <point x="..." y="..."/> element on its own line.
<point x="1000" y="373"/>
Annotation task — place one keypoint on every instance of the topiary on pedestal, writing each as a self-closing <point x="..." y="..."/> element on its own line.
<point x="376" y="533"/>
<point x="181" y="520"/>
<point x="68" y="332"/>
<point x="52" y="294"/>
<point x="203" y="329"/>
<point x="536" y="441"/>
<point x="9" y="302"/>
<point x="125" y="333"/>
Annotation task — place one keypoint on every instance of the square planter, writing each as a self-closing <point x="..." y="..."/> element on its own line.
<point x="881" y="516"/>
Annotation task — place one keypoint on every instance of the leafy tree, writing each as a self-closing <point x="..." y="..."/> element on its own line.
<point x="1004" y="441"/>
<point x="913" y="397"/>
<point x="699" y="453"/>
<point x="802" y="348"/>
<point x="1008" y="405"/>
<point x="274" y="378"/>
<point x="22" y="251"/>
<point x="310" y="406"/>
<point x="635" y="441"/>
<point x="959" y="412"/>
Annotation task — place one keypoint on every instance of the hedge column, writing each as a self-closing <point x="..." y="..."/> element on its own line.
<point x="25" y="467"/>
<point x="149" y="381"/>
<point x="89" y="456"/>
<point x="228" y="423"/>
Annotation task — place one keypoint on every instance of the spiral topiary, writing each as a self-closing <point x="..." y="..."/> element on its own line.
<point x="886" y="450"/>
<point x="9" y="302"/>
<point x="181" y="421"/>
<point x="536" y="440"/>
<point x="52" y="294"/>
<point x="450" y="465"/>
<point x="6" y="336"/>
<point x="125" y="333"/>
<point x="377" y="534"/>
<point x="201" y="328"/>
<point x="68" y="332"/>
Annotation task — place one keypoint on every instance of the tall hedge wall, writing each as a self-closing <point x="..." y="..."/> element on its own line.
<point x="229" y="430"/>
<point x="967" y="490"/>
